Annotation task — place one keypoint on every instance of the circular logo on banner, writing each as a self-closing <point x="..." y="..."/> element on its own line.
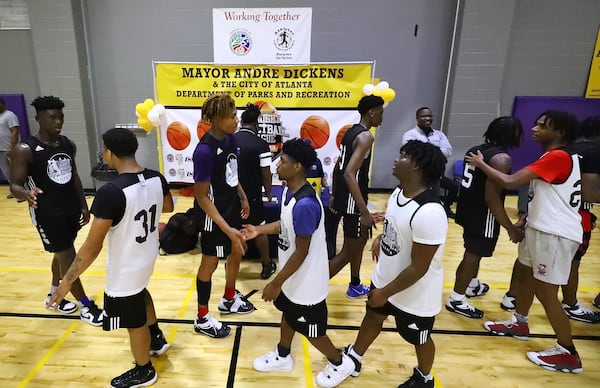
<point x="240" y="42"/>
<point x="284" y="39"/>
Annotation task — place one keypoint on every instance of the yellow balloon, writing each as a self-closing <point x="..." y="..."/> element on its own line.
<point x="148" y="127"/>
<point x="376" y="92"/>
<point x="149" y="103"/>
<point x="143" y="122"/>
<point x="138" y="108"/>
<point x="388" y="94"/>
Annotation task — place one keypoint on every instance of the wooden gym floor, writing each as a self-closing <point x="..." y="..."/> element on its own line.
<point x="41" y="348"/>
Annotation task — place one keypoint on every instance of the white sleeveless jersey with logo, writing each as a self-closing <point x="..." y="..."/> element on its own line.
<point x="309" y="285"/>
<point x="554" y="207"/>
<point x="133" y="241"/>
<point x="421" y="219"/>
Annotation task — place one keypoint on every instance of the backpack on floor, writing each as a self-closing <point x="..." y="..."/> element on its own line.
<point x="180" y="234"/>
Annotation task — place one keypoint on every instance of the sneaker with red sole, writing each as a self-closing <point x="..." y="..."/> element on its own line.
<point x="557" y="358"/>
<point x="512" y="328"/>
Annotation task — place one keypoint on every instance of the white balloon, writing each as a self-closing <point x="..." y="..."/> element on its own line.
<point x="382" y="85"/>
<point x="160" y="108"/>
<point x="368" y="88"/>
<point x="385" y="104"/>
<point x="137" y="114"/>
<point x="153" y="117"/>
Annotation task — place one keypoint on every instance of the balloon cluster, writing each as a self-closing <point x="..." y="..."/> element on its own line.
<point x="382" y="90"/>
<point x="148" y="114"/>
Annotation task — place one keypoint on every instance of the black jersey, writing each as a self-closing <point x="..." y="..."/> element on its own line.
<point x="216" y="161"/>
<point x="343" y="201"/>
<point x="51" y="170"/>
<point x="472" y="212"/>
<point x="589" y="161"/>
<point x="253" y="150"/>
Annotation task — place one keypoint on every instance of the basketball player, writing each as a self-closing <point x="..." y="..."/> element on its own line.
<point x="255" y="173"/>
<point x="408" y="279"/>
<point x="300" y="288"/>
<point x="552" y="236"/>
<point x="350" y="192"/>
<point x="126" y="210"/>
<point x="480" y="211"/>
<point x="44" y="174"/>
<point x="222" y="203"/>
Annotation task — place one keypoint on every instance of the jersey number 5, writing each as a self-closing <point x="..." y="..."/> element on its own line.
<point x="467" y="175"/>
<point x="142" y="216"/>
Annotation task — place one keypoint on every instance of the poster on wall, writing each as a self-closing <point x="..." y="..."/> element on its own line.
<point x="262" y="35"/>
<point x="593" y="85"/>
<point x="316" y="102"/>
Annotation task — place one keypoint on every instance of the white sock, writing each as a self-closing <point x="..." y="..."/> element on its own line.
<point x="426" y="377"/>
<point x="521" y="318"/>
<point x="354" y="354"/>
<point x="455" y="296"/>
<point x="474" y="283"/>
<point x="53" y="289"/>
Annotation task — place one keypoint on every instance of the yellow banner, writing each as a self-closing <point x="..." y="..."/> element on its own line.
<point x="315" y="85"/>
<point x="593" y="86"/>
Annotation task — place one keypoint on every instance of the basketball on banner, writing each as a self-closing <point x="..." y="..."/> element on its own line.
<point x="316" y="129"/>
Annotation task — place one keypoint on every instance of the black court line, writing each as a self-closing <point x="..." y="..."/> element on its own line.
<point x="234" y="357"/>
<point x="276" y="324"/>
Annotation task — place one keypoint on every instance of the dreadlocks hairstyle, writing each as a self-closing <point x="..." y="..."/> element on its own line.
<point x="505" y="132"/>
<point x="590" y="128"/>
<point x="251" y="114"/>
<point x="300" y="151"/>
<point x="47" y="102"/>
<point x="218" y="106"/>
<point x="369" y="102"/>
<point x="121" y="142"/>
<point x="427" y="157"/>
<point x="564" y="122"/>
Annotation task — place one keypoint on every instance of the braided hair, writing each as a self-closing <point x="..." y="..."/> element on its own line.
<point x="427" y="157"/>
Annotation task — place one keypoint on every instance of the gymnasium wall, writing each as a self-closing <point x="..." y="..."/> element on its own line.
<point x="503" y="49"/>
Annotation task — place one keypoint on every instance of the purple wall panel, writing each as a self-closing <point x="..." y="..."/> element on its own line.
<point x="527" y="109"/>
<point x="16" y="104"/>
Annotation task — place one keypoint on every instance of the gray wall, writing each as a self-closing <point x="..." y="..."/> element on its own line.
<point x="503" y="48"/>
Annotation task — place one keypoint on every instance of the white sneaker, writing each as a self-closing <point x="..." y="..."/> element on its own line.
<point x="333" y="375"/>
<point x="210" y="326"/>
<point x="239" y="305"/>
<point x="64" y="307"/>
<point x="508" y="302"/>
<point x="273" y="362"/>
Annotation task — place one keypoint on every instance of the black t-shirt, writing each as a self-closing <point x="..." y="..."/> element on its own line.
<point x="252" y="150"/>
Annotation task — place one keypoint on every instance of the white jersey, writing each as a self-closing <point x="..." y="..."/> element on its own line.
<point x="422" y="220"/>
<point x="134" y="203"/>
<point x="554" y="207"/>
<point x="309" y="285"/>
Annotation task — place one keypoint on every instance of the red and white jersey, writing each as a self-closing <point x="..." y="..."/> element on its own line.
<point x="555" y="197"/>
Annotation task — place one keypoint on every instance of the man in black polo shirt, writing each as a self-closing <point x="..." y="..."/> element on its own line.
<point x="254" y="174"/>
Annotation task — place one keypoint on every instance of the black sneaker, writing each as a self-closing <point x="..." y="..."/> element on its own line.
<point x="92" y="314"/>
<point x="596" y="301"/>
<point x="211" y="327"/>
<point x="64" y="307"/>
<point x="158" y="345"/>
<point x="478" y="290"/>
<point x="357" y="364"/>
<point x="139" y="376"/>
<point x="268" y="269"/>
<point x="462" y="307"/>
<point x="239" y="305"/>
<point x="417" y="381"/>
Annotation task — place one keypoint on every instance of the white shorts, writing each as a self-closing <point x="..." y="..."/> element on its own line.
<point x="548" y="255"/>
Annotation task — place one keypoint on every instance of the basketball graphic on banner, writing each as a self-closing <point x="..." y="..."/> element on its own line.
<point x="340" y="135"/>
<point x="202" y="127"/>
<point x="316" y="129"/>
<point x="178" y="135"/>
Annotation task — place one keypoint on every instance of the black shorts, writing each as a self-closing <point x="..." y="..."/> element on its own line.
<point x="414" y="329"/>
<point x="479" y="245"/>
<point x="257" y="212"/>
<point x="124" y="312"/>
<point x="308" y="320"/>
<point x="352" y="227"/>
<point x="583" y="247"/>
<point x="215" y="243"/>
<point x="58" y="232"/>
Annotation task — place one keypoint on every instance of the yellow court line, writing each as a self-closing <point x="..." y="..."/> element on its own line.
<point x="308" y="373"/>
<point x="437" y="382"/>
<point x="48" y="354"/>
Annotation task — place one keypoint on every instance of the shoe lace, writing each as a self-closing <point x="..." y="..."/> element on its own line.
<point x="582" y="310"/>
<point x="466" y="306"/>
<point x="214" y="322"/>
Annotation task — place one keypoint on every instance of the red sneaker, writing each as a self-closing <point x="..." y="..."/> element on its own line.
<point x="557" y="358"/>
<point x="519" y="330"/>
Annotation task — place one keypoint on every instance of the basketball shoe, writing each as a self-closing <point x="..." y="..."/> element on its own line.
<point x="92" y="314"/>
<point x="158" y="345"/>
<point x="210" y="326"/>
<point x="519" y="330"/>
<point x="478" y="290"/>
<point x="463" y="307"/>
<point x="140" y="376"/>
<point x="581" y="313"/>
<point x="357" y="363"/>
<point x="272" y="361"/>
<point x="239" y="305"/>
<point x="333" y="375"/>
<point x="508" y="302"/>
<point x="557" y="358"/>
<point x="417" y="380"/>
<point x="358" y="291"/>
<point x="64" y="307"/>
